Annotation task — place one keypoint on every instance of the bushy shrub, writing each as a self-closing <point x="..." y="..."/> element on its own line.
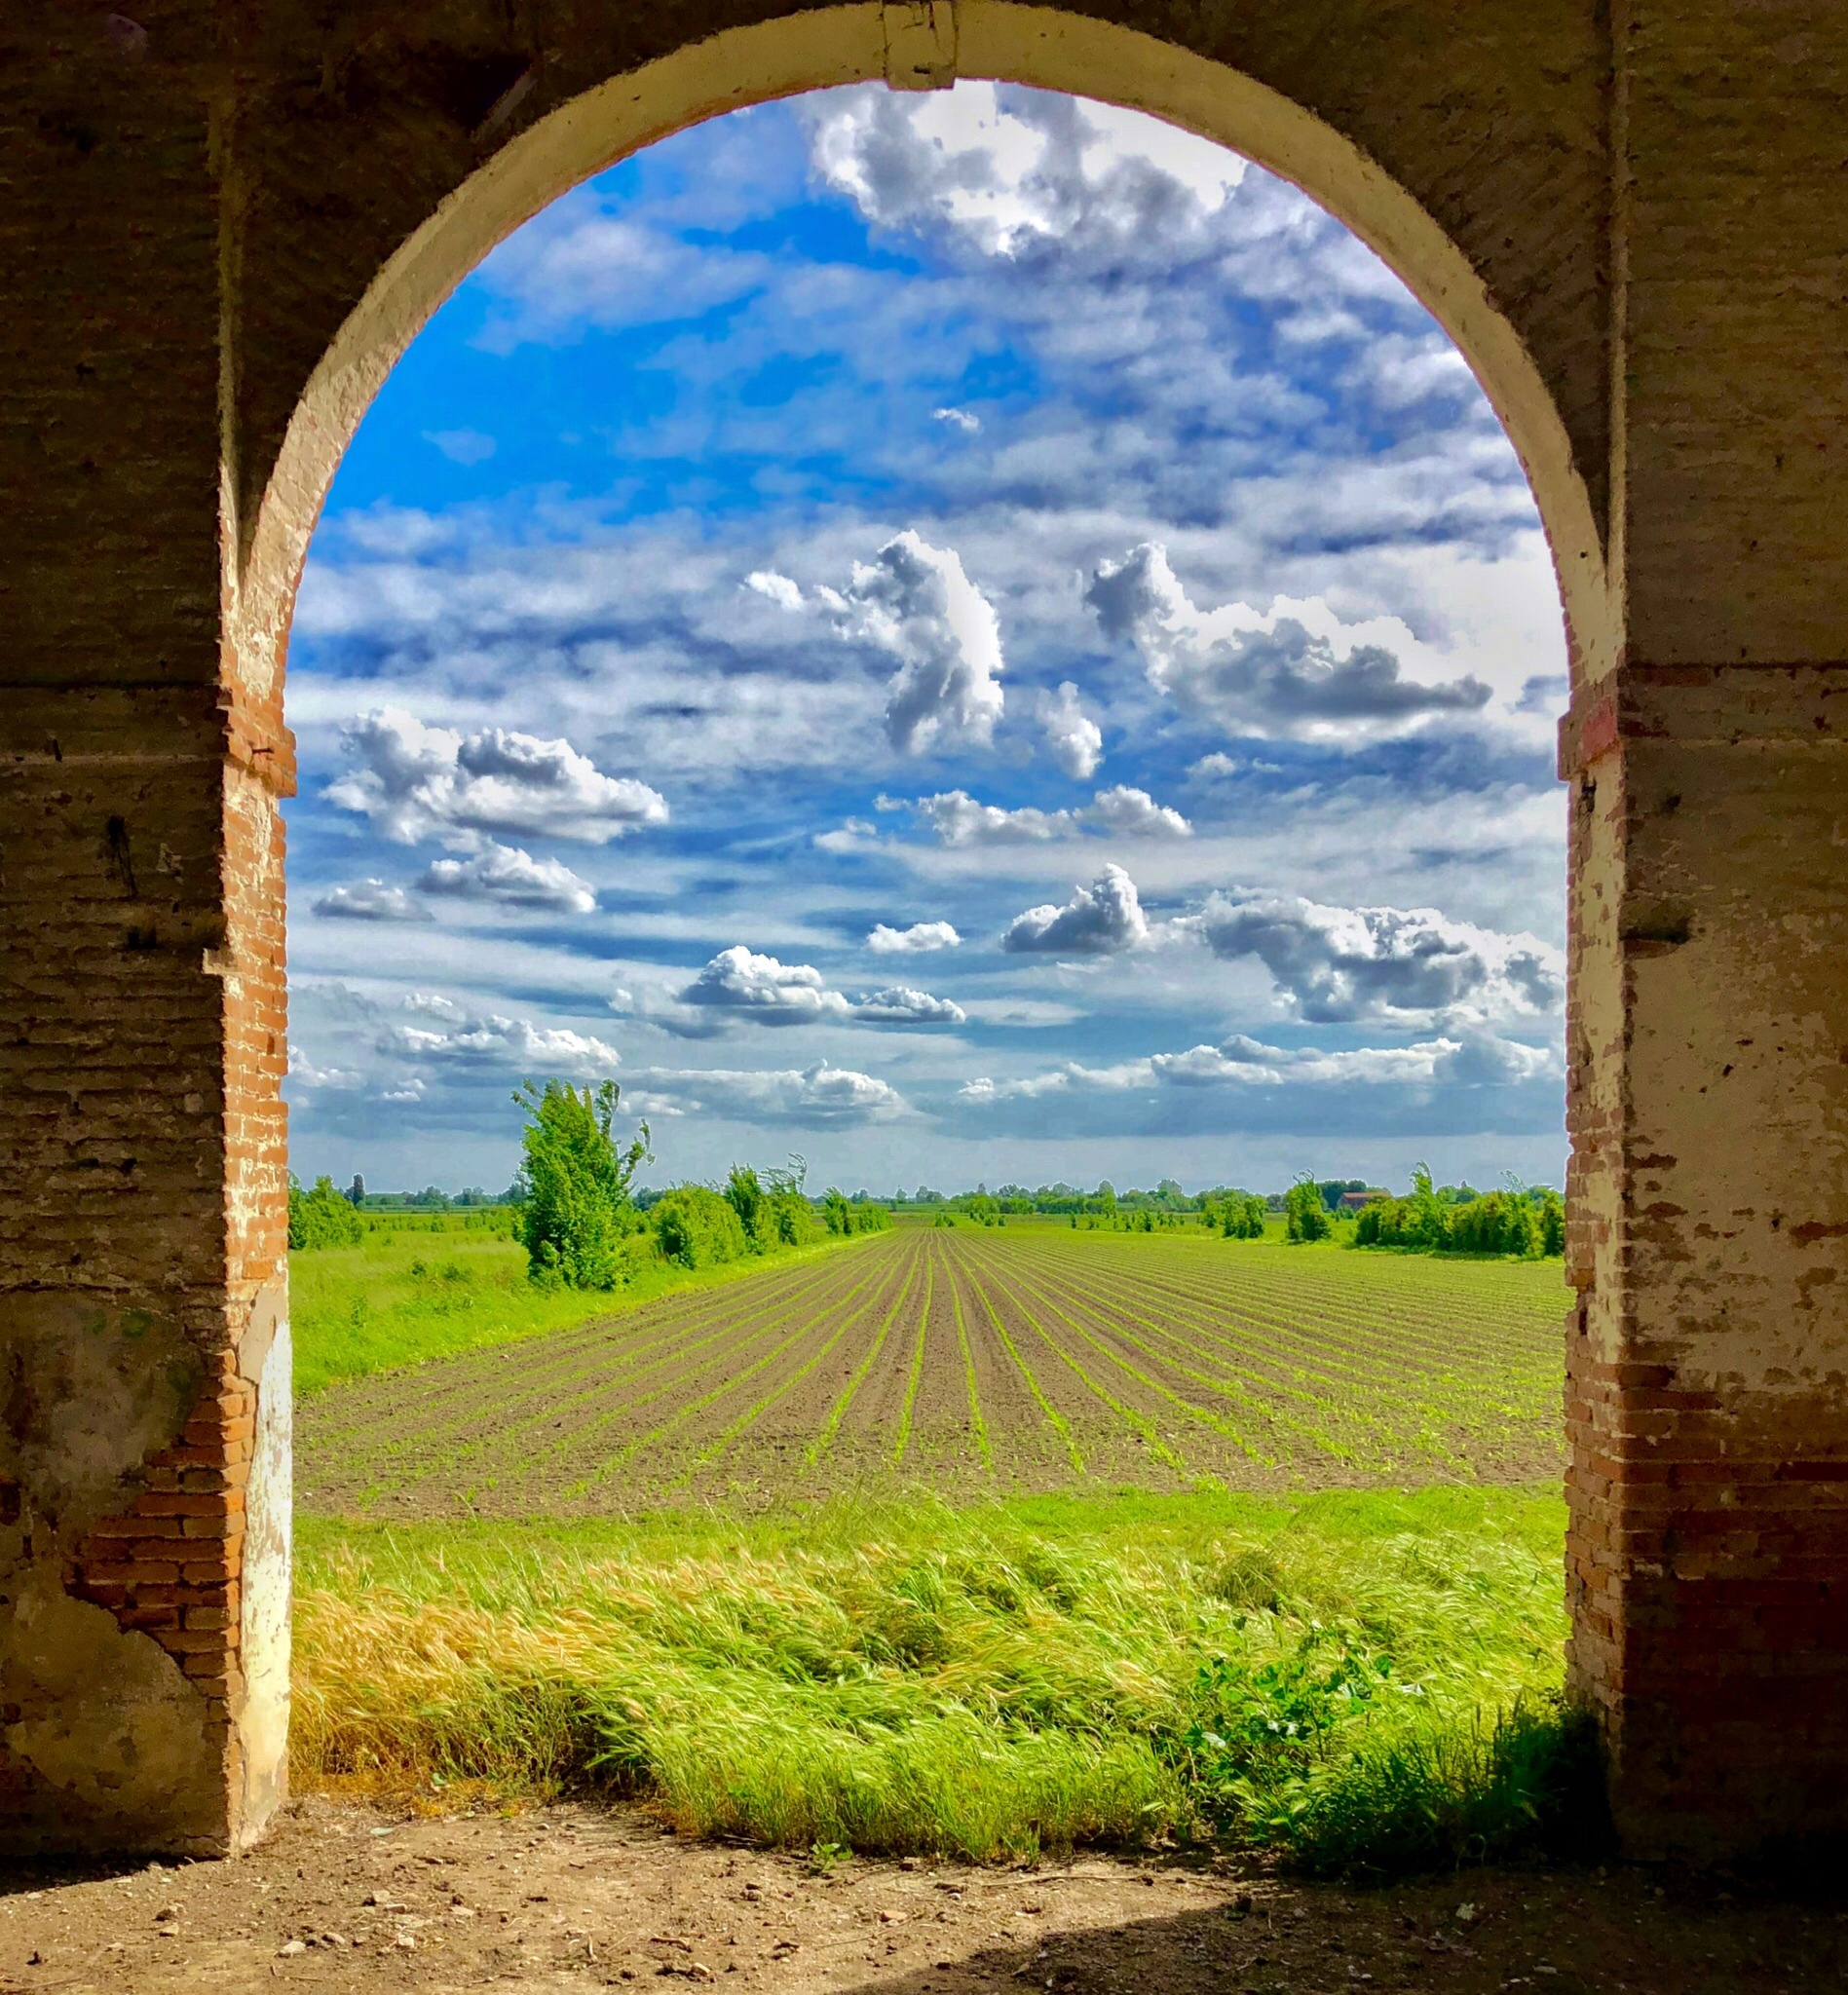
<point x="1238" y="1215"/>
<point x="1526" y="1222"/>
<point x="1305" y="1215"/>
<point x="320" y="1218"/>
<point x="772" y="1214"/>
<point x="697" y="1228"/>
<point x="843" y="1217"/>
<point x="578" y="1212"/>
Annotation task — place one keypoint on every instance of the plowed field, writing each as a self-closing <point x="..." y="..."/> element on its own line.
<point x="1032" y="1358"/>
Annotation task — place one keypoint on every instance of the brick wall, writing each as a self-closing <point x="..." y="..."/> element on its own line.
<point x="1632" y="220"/>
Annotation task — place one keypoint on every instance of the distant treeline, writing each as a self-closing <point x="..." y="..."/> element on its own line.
<point x="576" y="1209"/>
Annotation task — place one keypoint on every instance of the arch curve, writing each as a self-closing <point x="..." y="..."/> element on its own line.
<point x="998" y="40"/>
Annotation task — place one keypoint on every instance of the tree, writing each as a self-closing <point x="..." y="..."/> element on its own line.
<point x="577" y="1210"/>
<point x="750" y="1201"/>
<point x="1305" y="1215"/>
<point x="320" y="1218"/>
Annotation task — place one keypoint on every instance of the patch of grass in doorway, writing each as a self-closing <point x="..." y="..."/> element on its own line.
<point x="1367" y="1681"/>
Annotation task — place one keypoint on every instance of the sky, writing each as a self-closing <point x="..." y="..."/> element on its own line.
<point x="974" y="637"/>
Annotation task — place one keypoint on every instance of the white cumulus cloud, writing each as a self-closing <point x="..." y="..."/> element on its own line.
<point x="779" y="590"/>
<point x="1263" y="675"/>
<point x="899" y="1005"/>
<point x="494" y="1040"/>
<point x="1240" y="1062"/>
<point x="414" y="780"/>
<point x="915" y="601"/>
<point x="917" y="940"/>
<point x="1073" y="741"/>
<point x="831" y="1097"/>
<point x="370" y="900"/>
<point x="958" y="819"/>
<point x="510" y="877"/>
<point x="1087" y="177"/>
<point x="1336" y="964"/>
<point x="740" y="985"/>
<point x="1102" y="918"/>
<point x="771" y="992"/>
<point x="1135" y="814"/>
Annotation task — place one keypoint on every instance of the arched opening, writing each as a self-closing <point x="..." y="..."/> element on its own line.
<point x="407" y="291"/>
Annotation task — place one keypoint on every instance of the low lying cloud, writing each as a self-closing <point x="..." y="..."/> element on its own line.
<point x="1258" y="675"/>
<point x="899" y="1005"/>
<point x="919" y="939"/>
<point x="1340" y="965"/>
<point x="1476" y="1060"/>
<point x="740" y="986"/>
<point x="370" y="900"/>
<point x="460" y="1039"/>
<point x="824" y="1096"/>
<point x="960" y="819"/>
<point x="510" y="877"/>
<point x="1073" y="741"/>
<point x="915" y="601"/>
<point x="957" y="819"/>
<point x="1125" y="813"/>
<point x="1103" y="918"/>
<point x="415" y="781"/>
<point x="304" y="1073"/>
<point x="771" y="992"/>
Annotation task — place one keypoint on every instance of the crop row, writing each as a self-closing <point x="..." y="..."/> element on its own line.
<point x="1030" y="1357"/>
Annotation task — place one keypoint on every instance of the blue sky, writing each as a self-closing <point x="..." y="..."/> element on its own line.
<point x="976" y="636"/>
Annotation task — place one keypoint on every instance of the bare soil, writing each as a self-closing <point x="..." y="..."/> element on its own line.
<point x="1165" y="1358"/>
<point x="564" y="1899"/>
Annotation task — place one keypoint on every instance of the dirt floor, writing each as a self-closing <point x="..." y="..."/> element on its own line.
<point x="565" y="1898"/>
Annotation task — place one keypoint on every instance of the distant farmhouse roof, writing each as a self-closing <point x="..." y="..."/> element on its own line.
<point x="1352" y="1201"/>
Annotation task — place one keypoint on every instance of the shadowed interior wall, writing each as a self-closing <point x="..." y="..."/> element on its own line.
<point x="222" y="225"/>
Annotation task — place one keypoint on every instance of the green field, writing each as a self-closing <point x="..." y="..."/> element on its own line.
<point x="421" y="1287"/>
<point x="974" y="1363"/>
<point x="958" y="1540"/>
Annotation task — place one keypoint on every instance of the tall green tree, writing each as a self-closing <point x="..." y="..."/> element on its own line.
<point x="578" y="1210"/>
<point x="1305" y="1215"/>
<point x="320" y="1218"/>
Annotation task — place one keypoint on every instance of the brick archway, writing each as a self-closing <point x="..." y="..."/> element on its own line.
<point x="228" y="234"/>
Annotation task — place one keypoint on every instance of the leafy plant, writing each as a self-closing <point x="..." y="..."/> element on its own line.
<point x="322" y="1217"/>
<point x="697" y="1228"/>
<point x="578" y="1210"/>
<point x="1305" y="1215"/>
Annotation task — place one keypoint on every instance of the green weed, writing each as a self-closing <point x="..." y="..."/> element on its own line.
<point x="1367" y="1680"/>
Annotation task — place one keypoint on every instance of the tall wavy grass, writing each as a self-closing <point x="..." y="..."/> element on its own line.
<point x="979" y="1682"/>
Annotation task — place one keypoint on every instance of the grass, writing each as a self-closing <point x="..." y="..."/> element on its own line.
<point x="438" y="1286"/>
<point x="1363" y="1679"/>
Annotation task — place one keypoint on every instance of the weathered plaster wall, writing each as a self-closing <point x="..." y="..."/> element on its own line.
<point x="222" y="223"/>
